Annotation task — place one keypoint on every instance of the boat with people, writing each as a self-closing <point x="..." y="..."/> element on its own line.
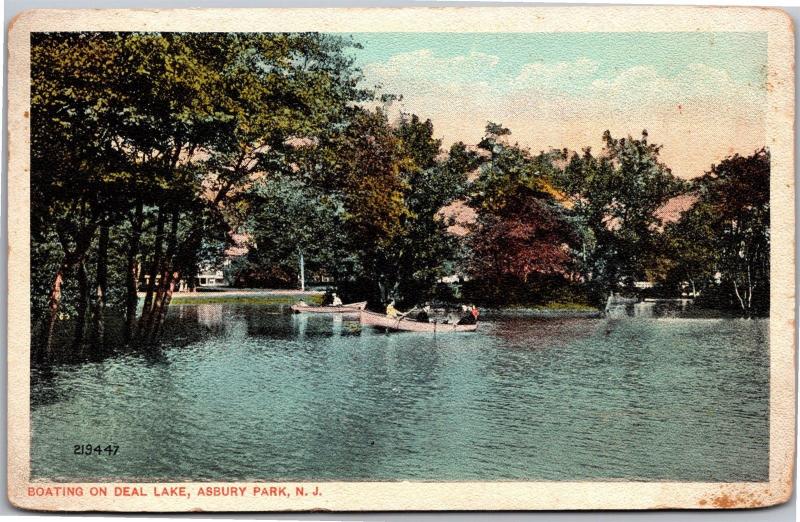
<point x="407" y="324"/>
<point x="349" y="308"/>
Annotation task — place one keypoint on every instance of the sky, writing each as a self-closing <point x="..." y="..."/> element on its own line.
<point x="701" y="95"/>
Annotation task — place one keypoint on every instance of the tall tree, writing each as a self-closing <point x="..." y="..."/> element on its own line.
<point x="160" y="130"/>
<point x="75" y="170"/>
<point x="292" y="225"/>
<point x="726" y="233"/>
<point x="360" y="163"/>
<point x="521" y="228"/>
<point x="426" y="251"/>
<point x="616" y="195"/>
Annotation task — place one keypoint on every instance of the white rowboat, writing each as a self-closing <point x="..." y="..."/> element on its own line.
<point x="410" y="325"/>
<point x="350" y="308"/>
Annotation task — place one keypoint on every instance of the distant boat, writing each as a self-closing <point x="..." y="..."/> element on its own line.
<point x="410" y="325"/>
<point x="350" y="308"/>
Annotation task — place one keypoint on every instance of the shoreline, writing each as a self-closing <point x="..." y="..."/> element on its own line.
<point x="578" y="312"/>
<point x="284" y="297"/>
<point x="259" y="296"/>
<point x="255" y="296"/>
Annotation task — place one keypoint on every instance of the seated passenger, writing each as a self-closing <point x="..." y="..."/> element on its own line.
<point x="391" y="311"/>
<point x="471" y="317"/>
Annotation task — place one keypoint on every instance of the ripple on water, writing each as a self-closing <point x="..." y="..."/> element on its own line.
<point x="292" y="397"/>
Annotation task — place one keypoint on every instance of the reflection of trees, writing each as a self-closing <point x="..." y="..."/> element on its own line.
<point x="533" y="334"/>
<point x="186" y="326"/>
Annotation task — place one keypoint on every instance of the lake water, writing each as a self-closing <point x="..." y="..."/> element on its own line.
<point x="255" y="393"/>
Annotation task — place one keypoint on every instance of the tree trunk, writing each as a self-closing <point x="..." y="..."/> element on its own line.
<point x="750" y="287"/>
<point x="738" y="296"/>
<point x="154" y="269"/>
<point x="83" y="306"/>
<point x="98" y="338"/>
<point x="174" y="277"/>
<point x="182" y="262"/>
<point x="691" y="281"/>
<point x="54" y="303"/>
<point x="69" y="261"/>
<point x="190" y="273"/>
<point x="165" y="283"/>
<point x="132" y="273"/>
<point x="382" y="293"/>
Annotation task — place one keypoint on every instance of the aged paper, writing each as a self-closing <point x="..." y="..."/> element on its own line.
<point x="565" y="236"/>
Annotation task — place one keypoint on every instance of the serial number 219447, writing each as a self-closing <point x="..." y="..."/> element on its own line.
<point x="95" y="449"/>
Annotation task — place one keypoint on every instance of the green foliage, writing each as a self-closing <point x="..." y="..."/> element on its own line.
<point x="722" y="243"/>
<point x="522" y="234"/>
<point x="176" y="122"/>
<point x="614" y="197"/>
<point x="426" y="251"/>
<point x="172" y="141"/>
<point x="289" y="218"/>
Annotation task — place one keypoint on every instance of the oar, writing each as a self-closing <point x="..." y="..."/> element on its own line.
<point x="403" y="316"/>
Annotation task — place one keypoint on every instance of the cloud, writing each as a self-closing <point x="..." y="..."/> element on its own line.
<point x="699" y="113"/>
<point x="560" y="76"/>
<point x="644" y="85"/>
<point x="422" y="69"/>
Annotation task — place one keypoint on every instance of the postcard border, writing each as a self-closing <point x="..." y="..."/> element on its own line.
<point x="373" y="496"/>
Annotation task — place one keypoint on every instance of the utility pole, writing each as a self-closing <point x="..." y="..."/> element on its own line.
<point x="302" y="273"/>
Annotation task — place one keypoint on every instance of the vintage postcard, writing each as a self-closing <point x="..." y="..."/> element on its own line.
<point x="401" y="259"/>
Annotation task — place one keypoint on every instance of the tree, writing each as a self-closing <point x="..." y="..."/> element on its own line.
<point x="615" y="196"/>
<point x="75" y="171"/>
<point x="428" y="252"/>
<point x="529" y="235"/>
<point x="272" y="89"/>
<point x="296" y="230"/>
<point x="521" y="229"/>
<point x="359" y="165"/>
<point x="383" y="185"/>
<point x="691" y="253"/>
<point x="418" y="258"/>
<point x="159" y="131"/>
<point x="727" y="231"/>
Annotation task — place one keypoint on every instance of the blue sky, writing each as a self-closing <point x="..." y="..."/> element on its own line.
<point x="701" y="95"/>
<point x="743" y="55"/>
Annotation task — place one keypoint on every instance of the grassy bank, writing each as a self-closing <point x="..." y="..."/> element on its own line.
<point x="571" y="307"/>
<point x="556" y="309"/>
<point x="262" y="299"/>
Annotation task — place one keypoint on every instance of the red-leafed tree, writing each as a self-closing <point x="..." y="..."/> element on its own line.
<point x="522" y="232"/>
<point x="528" y="235"/>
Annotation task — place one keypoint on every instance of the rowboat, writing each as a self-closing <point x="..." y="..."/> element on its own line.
<point x="410" y="325"/>
<point x="350" y="308"/>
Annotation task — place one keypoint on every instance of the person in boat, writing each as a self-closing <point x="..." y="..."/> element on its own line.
<point x="454" y="316"/>
<point x="424" y="315"/>
<point x="471" y="317"/>
<point x="391" y="311"/>
<point x="336" y="300"/>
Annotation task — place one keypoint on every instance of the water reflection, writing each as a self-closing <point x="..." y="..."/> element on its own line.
<point x="646" y="394"/>
<point x="644" y="309"/>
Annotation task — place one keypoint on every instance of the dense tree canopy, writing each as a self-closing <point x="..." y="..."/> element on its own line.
<point x="722" y="242"/>
<point x="160" y="130"/>
<point x="522" y="229"/>
<point x="150" y="151"/>
<point x="615" y="196"/>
